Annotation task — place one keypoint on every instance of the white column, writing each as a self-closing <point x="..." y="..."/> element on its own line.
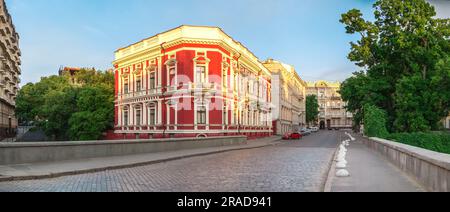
<point x="144" y="114"/>
<point x="176" y="117"/>
<point x="119" y="114"/>
<point x="168" y="115"/>
<point x="131" y="116"/>
<point x="159" y="112"/>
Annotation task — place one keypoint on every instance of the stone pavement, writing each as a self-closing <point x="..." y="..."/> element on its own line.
<point x="289" y="166"/>
<point x="62" y="168"/>
<point x="370" y="172"/>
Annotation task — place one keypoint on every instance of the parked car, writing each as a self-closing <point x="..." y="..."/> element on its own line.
<point x="305" y="132"/>
<point x="292" y="136"/>
<point x="314" y="129"/>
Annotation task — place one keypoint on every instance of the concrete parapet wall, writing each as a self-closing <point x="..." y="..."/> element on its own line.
<point x="430" y="169"/>
<point x="21" y="153"/>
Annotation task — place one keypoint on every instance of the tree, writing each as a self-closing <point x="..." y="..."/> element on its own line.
<point x="403" y="54"/>
<point x="56" y="111"/>
<point x="63" y="110"/>
<point x="30" y="98"/>
<point x="312" y="109"/>
<point x="96" y="114"/>
<point x="374" y="122"/>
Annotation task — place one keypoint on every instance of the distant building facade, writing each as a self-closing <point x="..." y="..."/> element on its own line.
<point x="331" y="106"/>
<point x="190" y="81"/>
<point x="71" y="73"/>
<point x="9" y="73"/>
<point x="288" y="98"/>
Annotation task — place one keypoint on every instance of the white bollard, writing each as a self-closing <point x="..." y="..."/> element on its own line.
<point x="341" y="165"/>
<point x="342" y="173"/>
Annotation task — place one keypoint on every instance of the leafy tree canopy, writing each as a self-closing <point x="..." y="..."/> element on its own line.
<point x="66" y="110"/>
<point x="404" y="55"/>
<point x="312" y="109"/>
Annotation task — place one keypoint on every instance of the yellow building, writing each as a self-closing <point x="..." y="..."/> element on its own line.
<point x="9" y="73"/>
<point x="288" y="97"/>
<point x="331" y="106"/>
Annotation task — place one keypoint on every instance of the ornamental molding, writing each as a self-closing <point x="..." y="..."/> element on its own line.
<point x="152" y="68"/>
<point x="151" y="104"/>
<point x="171" y="62"/>
<point x="225" y="65"/>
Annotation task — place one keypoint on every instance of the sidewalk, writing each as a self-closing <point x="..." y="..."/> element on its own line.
<point x="62" y="168"/>
<point x="370" y="172"/>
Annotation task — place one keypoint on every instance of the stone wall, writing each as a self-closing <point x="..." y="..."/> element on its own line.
<point x="430" y="169"/>
<point x="21" y="153"/>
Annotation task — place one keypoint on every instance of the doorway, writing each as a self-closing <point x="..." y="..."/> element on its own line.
<point x="322" y="125"/>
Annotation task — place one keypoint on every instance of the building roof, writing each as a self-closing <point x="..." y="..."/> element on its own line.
<point x="289" y="68"/>
<point x="189" y="32"/>
<point x="323" y="83"/>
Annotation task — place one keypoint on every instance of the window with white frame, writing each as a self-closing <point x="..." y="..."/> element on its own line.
<point x="172" y="71"/>
<point x="201" y="114"/>
<point x="200" y="74"/>
<point x="138" y="83"/>
<point x="152" y="115"/>
<point x="138" y="117"/>
<point x="152" y="80"/>
<point x="125" y="117"/>
<point x="126" y="87"/>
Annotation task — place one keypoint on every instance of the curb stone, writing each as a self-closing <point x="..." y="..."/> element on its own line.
<point x="132" y="165"/>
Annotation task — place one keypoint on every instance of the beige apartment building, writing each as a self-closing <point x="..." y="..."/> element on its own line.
<point x="288" y="98"/>
<point x="331" y="106"/>
<point x="9" y="72"/>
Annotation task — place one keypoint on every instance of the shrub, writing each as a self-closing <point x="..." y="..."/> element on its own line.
<point x="375" y="122"/>
<point x="434" y="141"/>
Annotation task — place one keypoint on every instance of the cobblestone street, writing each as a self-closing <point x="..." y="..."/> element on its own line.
<point x="290" y="166"/>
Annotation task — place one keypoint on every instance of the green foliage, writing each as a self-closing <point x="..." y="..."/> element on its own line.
<point x="434" y="141"/>
<point x="312" y="109"/>
<point x="94" y="116"/>
<point x="405" y="57"/>
<point x="56" y="111"/>
<point x="374" y="122"/>
<point x="80" y="111"/>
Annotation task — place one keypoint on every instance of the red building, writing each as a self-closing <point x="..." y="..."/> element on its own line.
<point x="190" y="81"/>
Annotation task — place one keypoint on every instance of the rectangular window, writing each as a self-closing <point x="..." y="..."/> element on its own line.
<point x="152" y="80"/>
<point x="125" y="118"/>
<point x="126" y="88"/>
<point x="152" y="117"/>
<point x="200" y="74"/>
<point x="138" y="117"/>
<point x="138" y="84"/>
<point x="201" y="115"/>
<point x="172" y="79"/>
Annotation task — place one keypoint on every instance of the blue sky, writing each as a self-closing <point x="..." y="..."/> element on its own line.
<point x="85" y="33"/>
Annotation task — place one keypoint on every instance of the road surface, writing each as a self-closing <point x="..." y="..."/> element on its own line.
<point x="293" y="166"/>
